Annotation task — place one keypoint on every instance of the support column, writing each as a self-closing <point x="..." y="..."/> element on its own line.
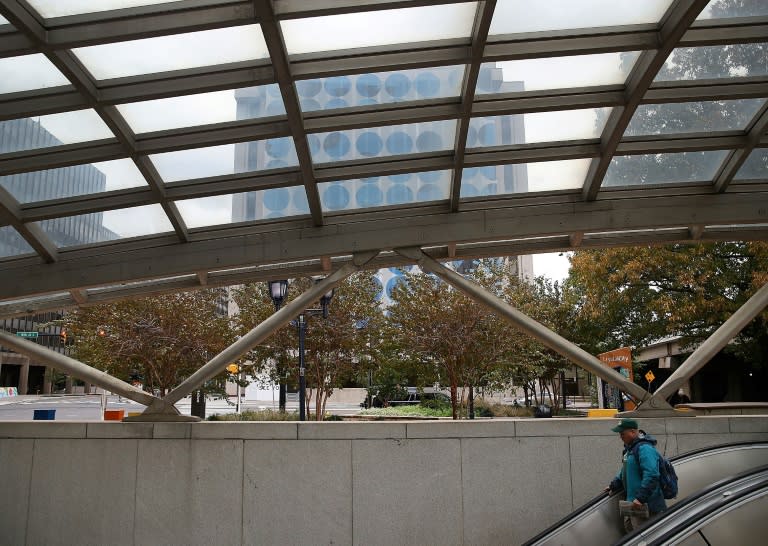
<point x="714" y="343"/>
<point x="68" y="384"/>
<point x="536" y="330"/>
<point x="24" y="377"/>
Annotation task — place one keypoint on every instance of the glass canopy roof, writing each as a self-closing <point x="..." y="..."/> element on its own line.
<point x="195" y="140"/>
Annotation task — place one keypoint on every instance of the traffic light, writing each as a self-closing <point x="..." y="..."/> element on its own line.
<point x="233" y="368"/>
<point x="63" y="336"/>
<point x="134" y="377"/>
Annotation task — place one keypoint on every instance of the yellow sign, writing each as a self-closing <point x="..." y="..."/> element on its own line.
<point x="650" y="377"/>
<point x="233" y="368"/>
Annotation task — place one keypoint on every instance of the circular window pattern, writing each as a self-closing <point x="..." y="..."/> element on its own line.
<point x="335" y="103"/>
<point x="314" y="144"/>
<point x="273" y="90"/>
<point x="379" y="289"/>
<point x="429" y="141"/>
<point x="276" y="108"/>
<point x="486" y="80"/>
<point x="454" y="79"/>
<point x="273" y="215"/>
<point x="401" y="270"/>
<point x="399" y="143"/>
<point x="430" y="176"/>
<point x="275" y="164"/>
<point x="490" y="189"/>
<point x="427" y="84"/>
<point x="370" y="180"/>
<point x="337" y="86"/>
<point x="399" y="194"/>
<point x="400" y="178"/>
<point x="487" y="135"/>
<point x="393" y="282"/>
<point x="309" y="105"/>
<point x="300" y="201"/>
<point x="369" y="144"/>
<point x="335" y="197"/>
<point x="471" y="137"/>
<point x="336" y="144"/>
<point x="368" y="85"/>
<point x="397" y="85"/>
<point x="278" y="147"/>
<point x="489" y="172"/>
<point x="308" y="88"/>
<point x="277" y="199"/>
<point x="369" y="195"/>
<point x="468" y="190"/>
<point x="469" y="172"/>
<point x="366" y="102"/>
<point x="428" y="192"/>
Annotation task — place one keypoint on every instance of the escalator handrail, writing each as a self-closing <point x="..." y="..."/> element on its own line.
<point x="687" y="501"/>
<point x="604" y="495"/>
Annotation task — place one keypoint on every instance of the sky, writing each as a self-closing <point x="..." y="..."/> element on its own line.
<point x="553" y="265"/>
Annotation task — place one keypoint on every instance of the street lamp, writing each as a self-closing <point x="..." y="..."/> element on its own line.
<point x="278" y="290"/>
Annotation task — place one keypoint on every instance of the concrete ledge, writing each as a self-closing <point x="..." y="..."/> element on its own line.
<point x="244" y="430"/>
<point x="119" y="430"/>
<point x="169" y="431"/>
<point x="346" y="431"/>
<point x="590" y="426"/>
<point x="687" y="425"/>
<point x="42" y="429"/>
<point x="462" y="429"/>
<point x="748" y="424"/>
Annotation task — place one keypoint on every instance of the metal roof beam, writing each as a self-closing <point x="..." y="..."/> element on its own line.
<point x="479" y="36"/>
<point x="273" y="35"/>
<point x="623" y="211"/>
<point x="737" y="157"/>
<point x="678" y="18"/>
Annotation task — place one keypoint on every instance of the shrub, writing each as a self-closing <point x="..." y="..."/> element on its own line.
<point x="250" y="415"/>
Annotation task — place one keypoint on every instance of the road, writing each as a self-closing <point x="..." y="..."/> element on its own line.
<point x="89" y="407"/>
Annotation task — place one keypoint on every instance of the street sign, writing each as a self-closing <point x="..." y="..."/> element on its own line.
<point x="27" y="334"/>
<point x="650" y="377"/>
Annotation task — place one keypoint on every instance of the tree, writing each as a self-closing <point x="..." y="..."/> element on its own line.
<point x="160" y="339"/>
<point x="641" y="294"/>
<point x="693" y="63"/>
<point x="447" y="331"/>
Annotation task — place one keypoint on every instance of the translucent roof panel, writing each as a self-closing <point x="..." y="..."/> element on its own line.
<point x="52" y="130"/>
<point x="3" y="20"/>
<point x="755" y="167"/>
<point x="203" y="108"/>
<point x="242" y="207"/>
<point x="385" y="190"/>
<point x="710" y="62"/>
<point x="226" y="159"/>
<point x="537" y="127"/>
<point x="524" y="177"/>
<point x="515" y="16"/>
<point x="28" y="72"/>
<point x="180" y="51"/>
<point x="12" y="244"/>
<point x="693" y="117"/>
<point x="73" y="181"/>
<point x="57" y="8"/>
<point x="638" y="170"/>
<point x="555" y="72"/>
<point x="111" y="225"/>
<point x="379" y="88"/>
<point x="377" y="28"/>
<point x="413" y="138"/>
<point x="720" y="9"/>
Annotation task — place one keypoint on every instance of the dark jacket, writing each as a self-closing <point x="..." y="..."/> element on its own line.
<point x="639" y="476"/>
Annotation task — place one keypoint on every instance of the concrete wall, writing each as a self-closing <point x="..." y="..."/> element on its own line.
<point x="423" y="482"/>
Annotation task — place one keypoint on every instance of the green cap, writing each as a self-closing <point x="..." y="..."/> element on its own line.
<point x="625" y="424"/>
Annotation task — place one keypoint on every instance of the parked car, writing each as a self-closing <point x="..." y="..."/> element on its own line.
<point x="415" y="398"/>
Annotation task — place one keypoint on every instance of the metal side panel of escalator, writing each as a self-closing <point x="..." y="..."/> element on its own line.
<point x="597" y="522"/>
<point x="731" y="511"/>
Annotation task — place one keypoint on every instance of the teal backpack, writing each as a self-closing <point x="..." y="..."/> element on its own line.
<point x="667" y="474"/>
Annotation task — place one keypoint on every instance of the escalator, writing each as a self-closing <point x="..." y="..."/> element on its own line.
<point x="598" y="522"/>
<point x="731" y="511"/>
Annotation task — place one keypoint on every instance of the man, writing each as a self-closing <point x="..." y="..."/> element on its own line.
<point x="638" y="476"/>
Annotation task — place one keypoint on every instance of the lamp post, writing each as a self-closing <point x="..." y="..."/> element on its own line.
<point x="278" y="290"/>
